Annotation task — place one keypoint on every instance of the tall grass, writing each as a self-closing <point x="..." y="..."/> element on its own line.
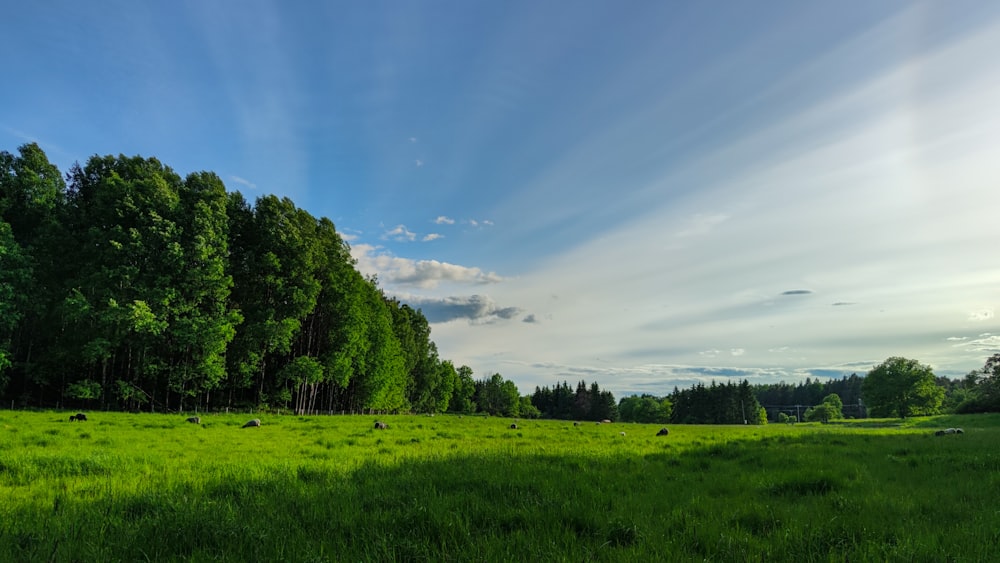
<point x="444" y="488"/>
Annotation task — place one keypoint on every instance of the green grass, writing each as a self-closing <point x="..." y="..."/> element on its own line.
<point x="124" y="487"/>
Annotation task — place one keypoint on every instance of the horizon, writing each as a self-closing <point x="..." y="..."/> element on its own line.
<point x="646" y="198"/>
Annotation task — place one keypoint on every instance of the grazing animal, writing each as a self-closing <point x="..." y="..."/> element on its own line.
<point x="947" y="431"/>
<point x="252" y="424"/>
<point x="576" y="424"/>
<point x="663" y="432"/>
<point x="194" y="420"/>
<point x="606" y="421"/>
<point x="622" y="433"/>
<point x="379" y="425"/>
<point x="513" y="426"/>
<point x="78" y="416"/>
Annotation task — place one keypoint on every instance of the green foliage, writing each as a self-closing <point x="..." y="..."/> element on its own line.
<point x="462" y="398"/>
<point x="829" y="409"/>
<point x="527" y="409"/>
<point x="645" y="409"/>
<point x="85" y="389"/>
<point x="811" y="392"/>
<point x="980" y="390"/>
<point x="169" y="292"/>
<point x="15" y="276"/>
<point x="730" y="403"/>
<point x="901" y="387"/>
<point x="585" y="403"/>
<point x="497" y="396"/>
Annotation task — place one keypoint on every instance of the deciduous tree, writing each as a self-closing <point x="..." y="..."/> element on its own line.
<point x="901" y="387"/>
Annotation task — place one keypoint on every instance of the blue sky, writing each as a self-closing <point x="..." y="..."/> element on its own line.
<point x="646" y="194"/>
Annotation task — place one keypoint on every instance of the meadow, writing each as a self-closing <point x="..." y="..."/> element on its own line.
<point x="149" y="487"/>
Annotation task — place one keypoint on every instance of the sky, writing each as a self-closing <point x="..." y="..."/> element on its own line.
<point x="646" y="194"/>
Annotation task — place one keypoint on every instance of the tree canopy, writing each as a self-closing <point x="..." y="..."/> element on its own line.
<point x="128" y="286"/>
<point x="901" y="387"/>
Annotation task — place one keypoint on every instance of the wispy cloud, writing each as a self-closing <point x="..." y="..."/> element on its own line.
<point x="419" y="163"/>
<point x="701" y="224"/>
<point x="243" y="182"/>
<point x="478" y="222"/>
<point x="431" y="236"/>
<point x="444" y="220"/>
<point x="797" y="292"/>
<point x="986" y="343"/>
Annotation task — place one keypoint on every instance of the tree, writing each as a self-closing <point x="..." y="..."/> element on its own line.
<point x="980" y="389"/>
<point x="830" y="409"/>
<point x="498" y="396"/>
<point x="900" y="387"/>
<point x="14" y="275"/>
<point x="645" y="409"/>
<point x="464" y="392"/>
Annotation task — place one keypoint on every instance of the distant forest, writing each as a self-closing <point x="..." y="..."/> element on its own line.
<point x="125" y="286"/>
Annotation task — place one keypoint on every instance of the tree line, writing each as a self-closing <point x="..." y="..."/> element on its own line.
<point x="125" y="286"/>
<point x="898" y="387"/>
<point x="584" y="403"/>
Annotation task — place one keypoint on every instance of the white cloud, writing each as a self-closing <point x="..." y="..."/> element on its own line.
<point x="400" y="233"/>
<point x="737" y="351"/>
<point x="426" y="274"/>
<point x="418" y="162"/>
<point x="431" y="236"/>
<point x="981" y="315"/>
<point x="444" y="220"/>
<point x="478" y="222"/>
<point x="985" y="344"/>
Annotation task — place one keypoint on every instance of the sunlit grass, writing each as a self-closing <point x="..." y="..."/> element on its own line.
<point x="128" y="487"/>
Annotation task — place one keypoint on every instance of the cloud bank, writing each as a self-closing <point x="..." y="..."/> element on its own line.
<point x="477" y="309"/>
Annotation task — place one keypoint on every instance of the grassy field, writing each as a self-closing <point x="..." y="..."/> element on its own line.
<point x="128" y="487"/>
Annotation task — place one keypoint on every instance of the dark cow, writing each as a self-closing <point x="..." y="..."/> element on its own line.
<point x="252" y="424"/>
<point x="513" y="426"/>
<point x="194" y="420"/>
<point x="379" y="425"/>
<point x="663" y="432"/>
<point x="78" y="416"/>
